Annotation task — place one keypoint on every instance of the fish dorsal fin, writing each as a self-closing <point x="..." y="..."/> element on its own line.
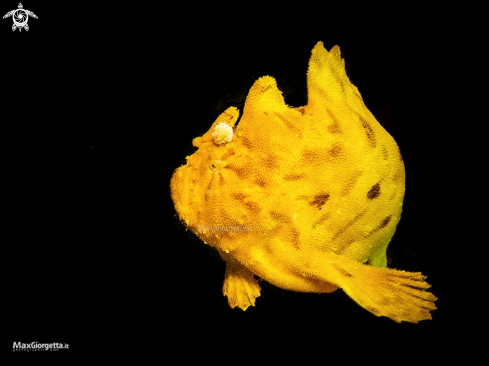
<point x="264" y="96"/>
<point x="265" y="114"/>
<point x="327" y="81"/>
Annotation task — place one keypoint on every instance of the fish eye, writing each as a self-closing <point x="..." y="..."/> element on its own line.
<point x="215" y="165"/>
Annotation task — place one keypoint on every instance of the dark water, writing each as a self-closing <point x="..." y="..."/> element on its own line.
<point x="95" y="119"/>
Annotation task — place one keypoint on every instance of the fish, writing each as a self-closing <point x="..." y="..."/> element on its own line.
<point x="306" y="198"/>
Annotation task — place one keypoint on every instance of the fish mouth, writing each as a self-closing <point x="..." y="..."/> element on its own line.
<point x="180" y="188"/>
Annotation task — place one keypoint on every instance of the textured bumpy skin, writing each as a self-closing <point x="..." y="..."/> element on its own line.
<point x="306" y="198"/>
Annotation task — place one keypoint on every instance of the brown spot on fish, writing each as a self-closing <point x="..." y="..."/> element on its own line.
<point x="246" y="142"/>
<point x="319" y="200"/>
<point x="369" y="131"/>
<point x="348" y="224"/>
<point x="335" y="150"/>
<point x="374" y="191"/>
<point x="342" y="271"/>
<point x="290" y="177"/>
<point x="252" y="207"/>
<point x="385" y="153"/>
<point x="384" y="222"/>
<point x="334" y="125"/>
<point x="241" y="172"/>
<point x="351" y="183"/>
<point x="289" y="124"/>
<point x="260" y="182"/>
<point x="325" y="216"/>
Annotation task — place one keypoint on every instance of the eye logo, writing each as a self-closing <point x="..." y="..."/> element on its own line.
<point x="20" y="17"/>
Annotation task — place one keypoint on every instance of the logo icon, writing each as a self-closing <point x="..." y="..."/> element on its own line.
<point x="20" y="17"/>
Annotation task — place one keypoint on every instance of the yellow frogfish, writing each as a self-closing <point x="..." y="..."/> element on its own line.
<point x="306" y="198"/>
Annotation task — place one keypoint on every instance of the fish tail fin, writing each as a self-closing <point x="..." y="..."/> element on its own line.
<point x="399" y="295"/>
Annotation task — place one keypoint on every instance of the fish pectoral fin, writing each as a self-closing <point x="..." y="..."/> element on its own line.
<point x="379" y="259"/>
<point x="399" y="295"/>
<point x="240" y="286"/>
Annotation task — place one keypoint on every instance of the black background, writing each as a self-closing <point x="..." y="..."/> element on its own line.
<point x="99" y="107"/>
